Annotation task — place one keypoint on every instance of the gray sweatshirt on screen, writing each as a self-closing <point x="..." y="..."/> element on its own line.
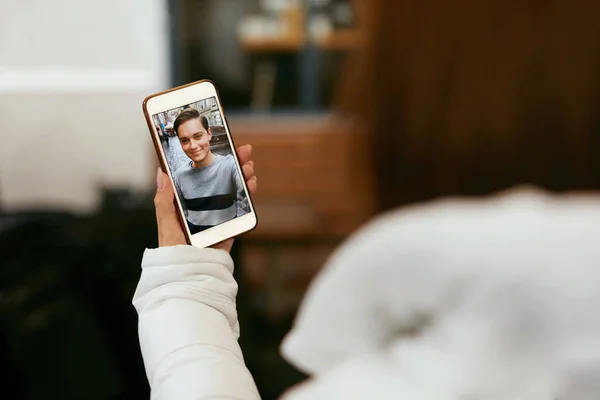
<point x="211" y="195"/>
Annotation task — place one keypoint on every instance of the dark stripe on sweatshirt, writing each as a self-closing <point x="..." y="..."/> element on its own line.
<point x="196" y="228"/>
<point x="217" y="202"/>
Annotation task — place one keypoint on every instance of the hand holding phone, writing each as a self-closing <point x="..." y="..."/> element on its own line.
<point x="196" y="151"/>
<point x="170" y="232"/>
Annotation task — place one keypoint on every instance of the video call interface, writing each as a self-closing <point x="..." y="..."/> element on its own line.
<point x="200" y="158"/>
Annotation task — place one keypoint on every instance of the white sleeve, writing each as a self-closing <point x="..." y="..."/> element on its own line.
<point x="188" y="326"/>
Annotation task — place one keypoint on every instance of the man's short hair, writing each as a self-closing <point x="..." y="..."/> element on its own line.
<point x="187" y="115"/>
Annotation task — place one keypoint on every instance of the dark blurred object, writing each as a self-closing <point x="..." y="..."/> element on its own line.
<point x="270" y="62"/>
<point x="67" y="326"/>
<point x="69" y="330"/>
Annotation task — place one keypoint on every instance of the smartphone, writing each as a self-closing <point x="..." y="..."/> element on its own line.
<point x="195" y="148"/>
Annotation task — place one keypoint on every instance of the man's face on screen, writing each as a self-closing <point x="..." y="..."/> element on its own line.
<point x="194" y="139"/>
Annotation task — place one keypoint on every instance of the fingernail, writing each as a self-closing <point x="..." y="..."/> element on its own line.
<point x="160" y="182"/>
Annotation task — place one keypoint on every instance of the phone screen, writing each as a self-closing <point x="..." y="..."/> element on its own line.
<point x="201" y="160"/>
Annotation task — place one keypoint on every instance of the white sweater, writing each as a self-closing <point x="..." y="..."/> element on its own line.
<point x="492" y="298"/>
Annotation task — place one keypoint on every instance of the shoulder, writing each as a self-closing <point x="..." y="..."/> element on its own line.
<point x="510" y="216"/>
<point x="182" y="170"/>
<point x="227" y="160"/>
<point x="519" y="229"/>
<point x="424" y="254"/>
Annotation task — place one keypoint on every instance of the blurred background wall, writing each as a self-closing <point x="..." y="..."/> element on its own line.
<point x="72" y="75"/>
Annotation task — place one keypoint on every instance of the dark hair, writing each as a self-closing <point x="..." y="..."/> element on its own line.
<point x="187" y="115"/>
<point x="469" y="98"/>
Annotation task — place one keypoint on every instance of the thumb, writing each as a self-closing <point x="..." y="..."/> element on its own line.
<point x="169" y="228"/>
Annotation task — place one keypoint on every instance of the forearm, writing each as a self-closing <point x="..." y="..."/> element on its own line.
<point x="188" y="325"/>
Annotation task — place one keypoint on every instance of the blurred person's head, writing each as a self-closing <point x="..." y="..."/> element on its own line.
<point x="469" y="98"/>
<point x="194" y="134"/>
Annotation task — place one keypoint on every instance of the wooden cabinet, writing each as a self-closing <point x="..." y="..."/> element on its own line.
<point x="306" y="182"/>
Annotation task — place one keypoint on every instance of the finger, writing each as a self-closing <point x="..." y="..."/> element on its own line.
<point x="248" y="169"/>
<point x="252" y="185"/>
<point x="244" y="153"/>
<point x="169" y="229"/>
